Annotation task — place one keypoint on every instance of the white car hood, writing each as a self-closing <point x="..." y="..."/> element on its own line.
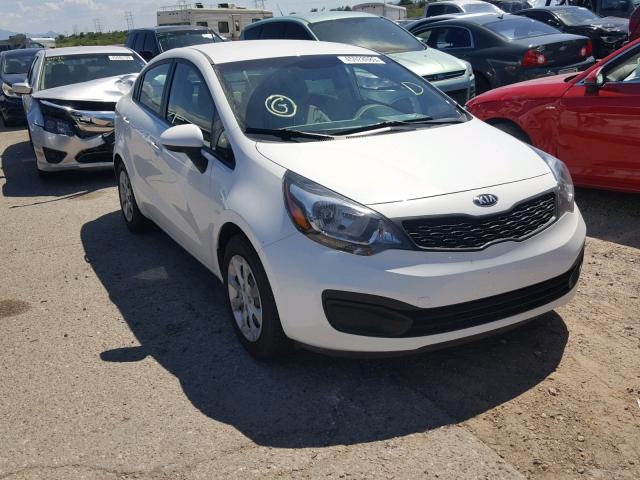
<point x="410" y="165"/>
<point x="108" y="89"/>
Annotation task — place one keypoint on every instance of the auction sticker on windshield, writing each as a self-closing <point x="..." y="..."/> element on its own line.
<point x="121" y="57"/>
<point x="361" y="60"/>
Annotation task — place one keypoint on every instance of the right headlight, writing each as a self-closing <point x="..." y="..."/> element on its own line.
<point x="338" y="222"/>
<point x="565" y="190"/>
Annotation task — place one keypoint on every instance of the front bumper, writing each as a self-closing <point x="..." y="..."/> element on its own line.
<point x="300" y="270"/>
<point x="461" y="89"/>
<point x="56" y="152"/>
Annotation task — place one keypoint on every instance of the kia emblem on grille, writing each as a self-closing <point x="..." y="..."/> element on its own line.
<point x="485" y="200"/>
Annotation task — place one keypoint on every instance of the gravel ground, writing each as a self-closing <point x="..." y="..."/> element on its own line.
<point x="118" y="362"/>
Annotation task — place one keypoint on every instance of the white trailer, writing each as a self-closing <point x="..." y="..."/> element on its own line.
<point x="392" y="12"/>
<point x="226" y="19"/>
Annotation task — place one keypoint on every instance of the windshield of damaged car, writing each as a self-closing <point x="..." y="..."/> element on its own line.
<point x="185" y="38"/>
<point x="329" y="94"/>
<point x="17" y="64"/>
<point x="65" y="70"/>
<point x="374" y="33"/>
<point x="576" y="16"/>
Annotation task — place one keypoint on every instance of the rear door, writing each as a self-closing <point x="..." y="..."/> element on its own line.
<point x="599" y="131"/>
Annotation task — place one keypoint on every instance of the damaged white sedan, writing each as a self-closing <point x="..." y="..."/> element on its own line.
<point x="69" y="98"/>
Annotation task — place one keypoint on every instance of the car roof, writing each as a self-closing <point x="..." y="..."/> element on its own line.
<point x="316" y="17"/>
<point x="555" y="8"/>
<point x="482" y="18"/>
<point x="57" y="52"/>
<point x="20" y="52"/>
<point x="169" y="28"/>
<point x="227" y="52"/>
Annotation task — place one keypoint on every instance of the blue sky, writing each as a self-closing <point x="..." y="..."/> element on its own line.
<point x="36" y="16"/>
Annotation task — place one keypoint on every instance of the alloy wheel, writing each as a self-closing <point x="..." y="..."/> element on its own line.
<point x="244" y="297"/>
<point x="126" y="196"/>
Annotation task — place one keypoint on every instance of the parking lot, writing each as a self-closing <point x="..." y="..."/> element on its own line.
<point x="118" y="361"/>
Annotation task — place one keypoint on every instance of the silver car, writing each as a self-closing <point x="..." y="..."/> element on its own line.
<point x="69" y="98"/>
<point x="451" y="75"/>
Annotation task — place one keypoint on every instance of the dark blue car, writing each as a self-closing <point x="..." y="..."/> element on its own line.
<point x="14" y="67"/>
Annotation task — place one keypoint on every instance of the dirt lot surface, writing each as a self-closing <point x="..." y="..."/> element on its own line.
<point x="117" y="361"/>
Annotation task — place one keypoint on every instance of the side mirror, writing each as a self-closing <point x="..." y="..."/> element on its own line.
<point x="146" y="55"/>
<point x="186" y="139"/>
<point x="21" y="88"/>
<point x="594" y="80"/>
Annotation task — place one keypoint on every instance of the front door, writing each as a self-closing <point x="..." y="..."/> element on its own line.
<point x="599" y="130"/>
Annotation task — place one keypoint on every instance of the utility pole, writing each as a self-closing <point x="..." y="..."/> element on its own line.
<point x="97" y="23"/>
<point x="128" y="16"/>
<point x="259" y="4"/>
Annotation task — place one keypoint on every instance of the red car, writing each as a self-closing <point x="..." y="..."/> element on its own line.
<point x="590" y="120"/>
<point x="634" y="24"/>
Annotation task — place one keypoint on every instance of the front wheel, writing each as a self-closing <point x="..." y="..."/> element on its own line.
<point x="136" y="222"/>
<point x="250" y="301"/>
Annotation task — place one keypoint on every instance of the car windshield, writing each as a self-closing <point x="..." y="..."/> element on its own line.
<point x="331" y="95"/>
<point x="576" y="15"/>
<point x="374" y="33"/>
<point x="65" y="70"/>
<point x="517" y="28"/>
<point x="185" y="38"/>
<point x="481" y="8"/>
<point x="17" y="64"/>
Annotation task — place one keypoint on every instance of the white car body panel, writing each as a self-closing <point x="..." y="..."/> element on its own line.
<point x="424" y="172"/>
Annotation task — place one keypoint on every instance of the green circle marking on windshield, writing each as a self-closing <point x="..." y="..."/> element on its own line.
<point x="280" y="106"/>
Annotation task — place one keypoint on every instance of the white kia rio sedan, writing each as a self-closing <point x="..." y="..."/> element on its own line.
<point x="345" y="203"/>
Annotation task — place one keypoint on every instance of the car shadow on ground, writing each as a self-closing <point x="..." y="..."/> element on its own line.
<point x="611" y="216"/>
<point x="175" y="308"/>
<point x="22" y="180"/>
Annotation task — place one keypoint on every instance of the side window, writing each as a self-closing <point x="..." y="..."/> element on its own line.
<point x="149" y="43"/>
<point x="190" y="100"/>
<point x="452" y="9"/>
<point x="433" y="10"/>
<point x="223" y="27"/>
<point x="33" y="71"/>
<point x="295" y="31"/>
<point x="152" y="87"/>
<point x="139" y="41"/>
<point x="625" y="70"/>
<point x="272" y="31"/>
<point x="449" y="37"/>
<point x="252" y="33"/>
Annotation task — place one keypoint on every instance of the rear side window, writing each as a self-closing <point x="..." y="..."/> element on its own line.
<point x="272" y="31"/>
<point x="190" y="100"/>
<point x="447" y="38"/>
<point x="139" y="41"/>
<point x="149" y="43"/>
<point x="294" y="31"/>
<point x="152" y="87"/>
<point x="253" y="33"/>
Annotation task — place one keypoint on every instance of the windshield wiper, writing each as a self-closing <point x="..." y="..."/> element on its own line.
<point x="288" y="133"/>
<point x="401" y="124"/>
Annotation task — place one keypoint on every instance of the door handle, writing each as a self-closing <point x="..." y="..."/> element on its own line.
<point x="155" y="144"/>
<point x="125" y="120"/>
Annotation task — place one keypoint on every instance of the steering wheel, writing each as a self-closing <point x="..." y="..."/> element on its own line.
<point x="376" y="110"/>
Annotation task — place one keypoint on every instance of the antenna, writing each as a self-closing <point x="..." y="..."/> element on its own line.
<point x="128" y="16"/>
<point x="281" y="14"/>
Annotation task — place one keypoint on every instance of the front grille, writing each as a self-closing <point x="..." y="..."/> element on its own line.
<point x="459" y="96"/>
<point x="436" y="77"/>
<point x="373" y="316"/>
<point x="103" y="153"/>
<point x="465" y="232"/>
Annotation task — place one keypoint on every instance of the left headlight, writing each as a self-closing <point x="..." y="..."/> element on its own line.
<point x="336" y="221"/>
<point x="565" y="190"/>
<point x="8" y="91"/>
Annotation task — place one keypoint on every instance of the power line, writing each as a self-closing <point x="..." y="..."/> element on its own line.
<point x="128" y="16"/>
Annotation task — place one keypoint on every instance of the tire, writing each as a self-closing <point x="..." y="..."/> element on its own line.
<point x="136" y="222"/>
<point x="268" y="340"/>
<point x="482" y="84"/>
<point x="514" y="131"/>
